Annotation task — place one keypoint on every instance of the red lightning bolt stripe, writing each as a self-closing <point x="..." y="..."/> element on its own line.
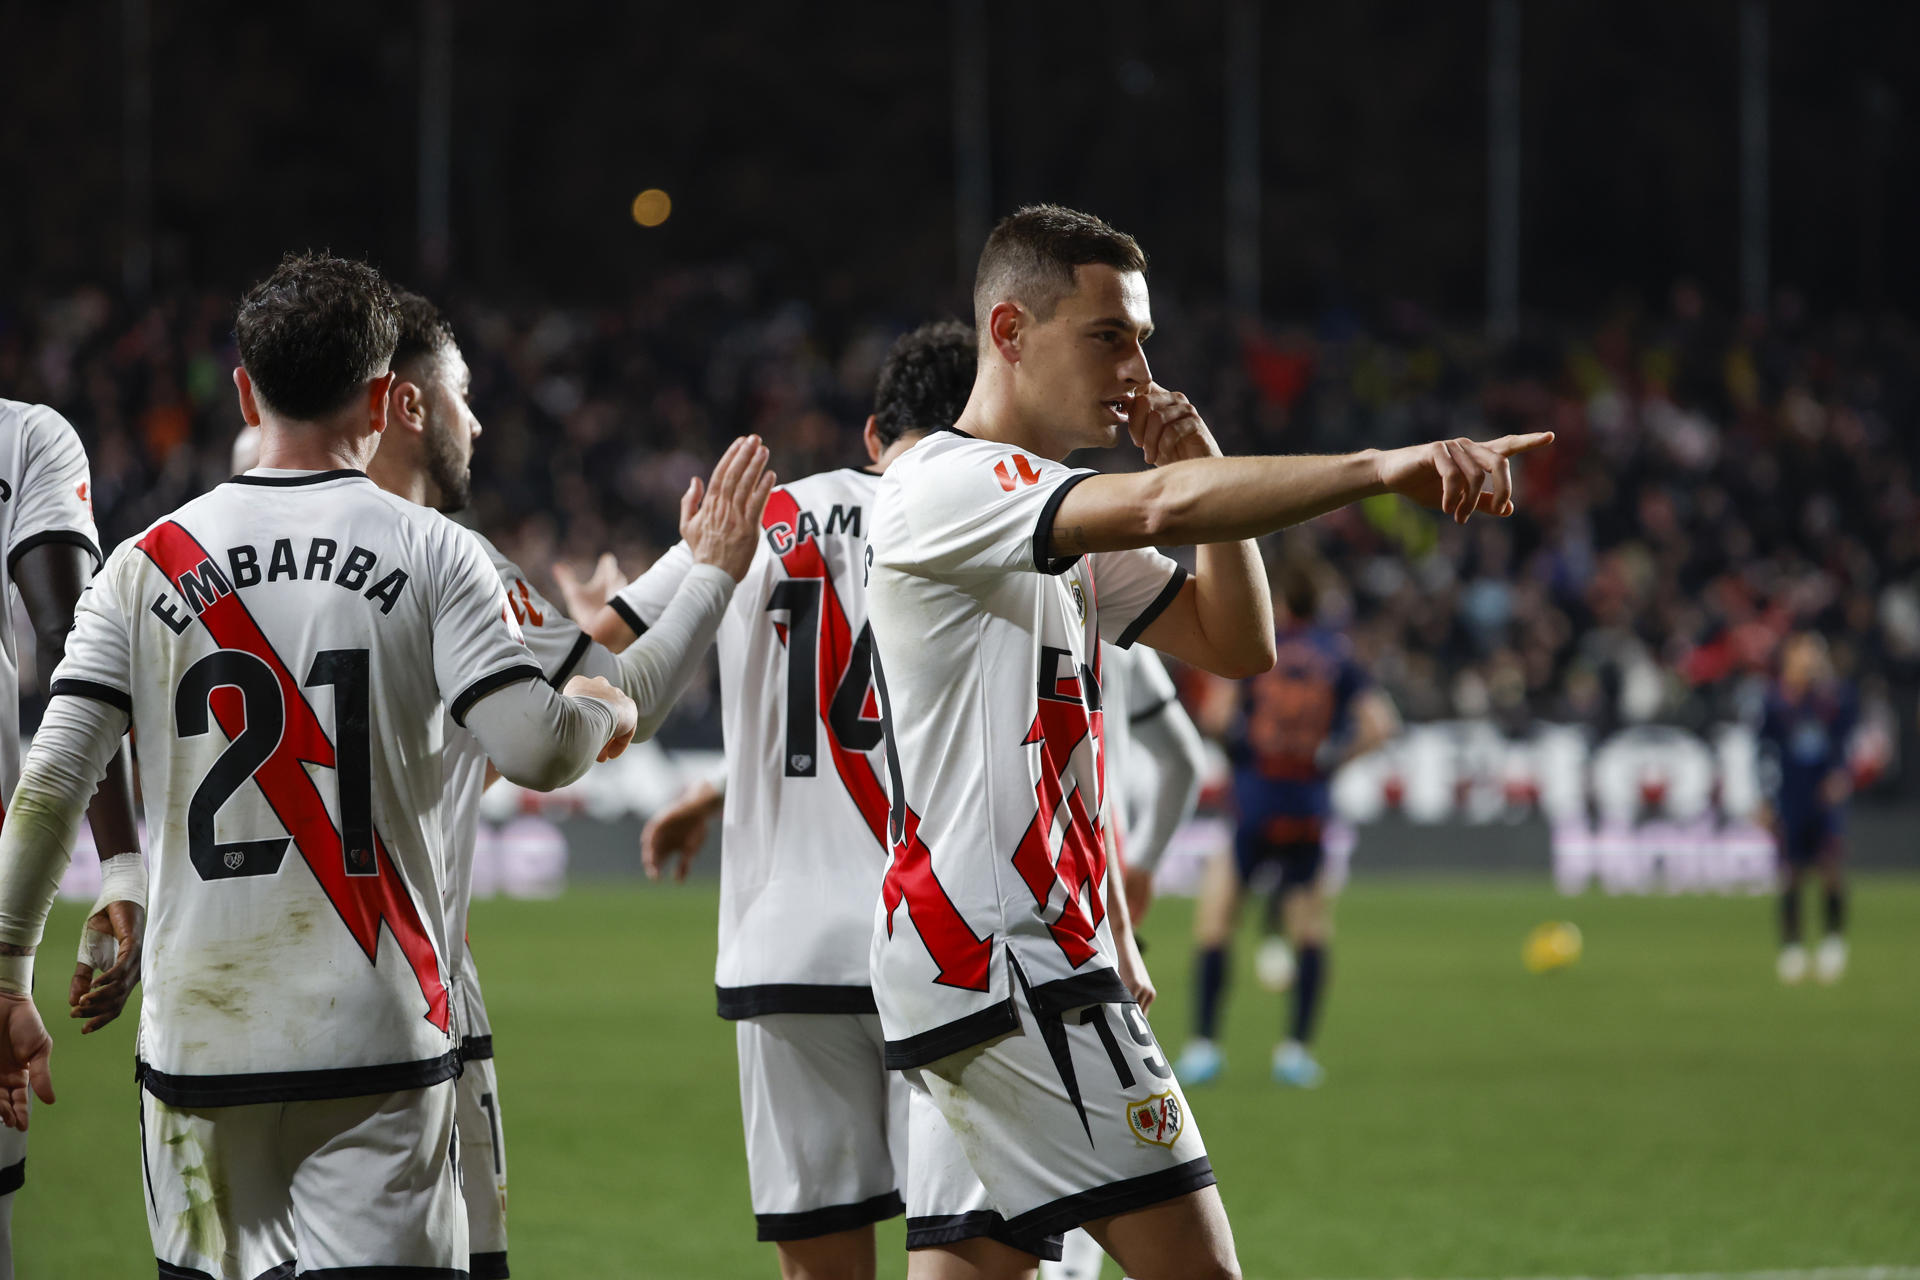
<point x="362" y="901"/>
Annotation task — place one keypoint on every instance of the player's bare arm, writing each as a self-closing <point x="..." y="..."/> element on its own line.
<point x="678" y="832"/>
<point x="1127" y="959"/>
<point x="51" y="578"/>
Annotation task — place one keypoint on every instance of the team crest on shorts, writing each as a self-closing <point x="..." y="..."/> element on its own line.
<point x="1158" y="1120"/>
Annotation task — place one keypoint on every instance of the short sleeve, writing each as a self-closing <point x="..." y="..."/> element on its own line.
<point x="55" y="498"/>
<point x="477" y="642"/>
<point x="1150" y="689"/>
<point x="1133" y="588"/>
<point x="553" y="640"/>
<point x="641" y="602"/>
<point x="99" y="658"/>
<point x="982" y="507"/>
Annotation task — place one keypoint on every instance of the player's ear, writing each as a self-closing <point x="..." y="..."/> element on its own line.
<point x="871" y="437"/>
<point x="1006" y="324"/>
<point x="249" y="408"/>
<point x="406" y="405"/>
<point x="377" y="401"/>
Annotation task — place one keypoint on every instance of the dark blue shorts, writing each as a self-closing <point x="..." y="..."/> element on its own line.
<point x="1807" y="838"/>
<point x="1299" y="860"/>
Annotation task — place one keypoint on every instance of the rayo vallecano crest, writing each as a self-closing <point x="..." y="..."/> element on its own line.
<point x="1079" y="600"/>
<point x="1158" y="1120"/>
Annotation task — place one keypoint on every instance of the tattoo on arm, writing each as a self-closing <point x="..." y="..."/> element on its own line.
<point x="15" y="949"/>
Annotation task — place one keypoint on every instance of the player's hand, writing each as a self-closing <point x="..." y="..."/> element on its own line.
<point x="1133" y="969"/>
<point x="679" y="831"/>
<point x="1139" y="887"/>
<point x="1835" y="788"/>
<point x="585" y="598"/>
<point x="1459" y="476"/>
<point x="722" y="523"/>
<point x="25" y="1052"/>
<point x="626" y="716"/>
<point x="1167" y="427"/>
<point x="111" y="940"/>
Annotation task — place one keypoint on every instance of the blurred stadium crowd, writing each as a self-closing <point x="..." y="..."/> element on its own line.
<point x="1718" y="481"/>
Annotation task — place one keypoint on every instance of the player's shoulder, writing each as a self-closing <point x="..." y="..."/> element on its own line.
<point x="39" y="426"/>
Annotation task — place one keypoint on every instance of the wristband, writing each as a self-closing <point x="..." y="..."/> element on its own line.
<point x="123" y="878"/>
<point x="16" y="975"/>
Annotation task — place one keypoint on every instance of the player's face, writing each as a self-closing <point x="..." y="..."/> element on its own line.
<point x="1080" y="368"/>
<point x="450" y="431"/>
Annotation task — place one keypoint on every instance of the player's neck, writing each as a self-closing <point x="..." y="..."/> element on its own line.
<point x="310" y="447"/>
<point x="994" y="413"/>
<point x="398" y="477"/>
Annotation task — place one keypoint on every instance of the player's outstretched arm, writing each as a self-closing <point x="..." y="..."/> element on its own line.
<point x="51" y="577"/>
<point x="542" y="739"/>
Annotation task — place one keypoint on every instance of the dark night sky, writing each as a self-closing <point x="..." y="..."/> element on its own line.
<point x="815" y="142"/>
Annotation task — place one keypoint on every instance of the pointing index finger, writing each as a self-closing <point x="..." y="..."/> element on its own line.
<point x="1510" y="446"/>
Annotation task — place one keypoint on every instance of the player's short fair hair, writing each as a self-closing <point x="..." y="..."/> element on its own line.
<point x="925" y="381"/>
<point x="424" y="332"/>
<point x="315" y="332"/>
<point x="1032" y="254"/>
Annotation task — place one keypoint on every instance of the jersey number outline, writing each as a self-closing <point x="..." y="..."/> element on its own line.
<point x="799" y="598"/>
<point x="263" y="709"/>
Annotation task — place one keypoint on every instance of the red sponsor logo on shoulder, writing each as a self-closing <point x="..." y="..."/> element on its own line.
<point x="1022" y="473"/>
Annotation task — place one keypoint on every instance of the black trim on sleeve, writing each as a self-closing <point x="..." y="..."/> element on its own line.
<point x="736" y="1003"/>
<point x="72" y="537"/>
<point x="13" y="1177"/>
<point x="1148" y="713"/>
<point x="1043" y="528"/>
<point x="488" y="1266"/>
<point x="476" y="1048"/>
<point x="489" y="684"/>
<point x="574" y="655"/>
<point x="627" y="615"/>
<point x="296" y="1086"/>
<point x="1153" y="610"/>
<point x="951" y="1228"/>
<point x="377" y="1273"/>
<point x="173" y="1271"/>
<point x="827" y="1221"/>
<point x="1116" y="1197"/>
<point x="313" y="477"/>
<point x="962" y="1033"/>
<point x="92" y="689"/>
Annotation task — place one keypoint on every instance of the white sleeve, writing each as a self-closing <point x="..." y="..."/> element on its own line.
<point x="538" y="737"/>
<point x="981" y="507"/>
<point x="69" y="756"/>
<point x="54" y="502"/>
<point x="554" y="641"/>
<point x="477" y="642"/>
<point x="1133" y="588"/>
<point x="1165" y="735"/>
<point x="641" y="602"/>
<point x="99" y="658"/>
<point x="654" y="670"/>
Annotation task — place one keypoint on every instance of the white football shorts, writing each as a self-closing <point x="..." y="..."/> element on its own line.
<point x="483" y="1168"/>
<point x="825" y="1123"/>
<point x="945" y="1201"/>
<point x="13" y="1157"/>
<point x="1073" y="1116"/>
<point x="285" y="1188"/>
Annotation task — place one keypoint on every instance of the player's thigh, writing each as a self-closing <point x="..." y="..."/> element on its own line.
<point x="1187" y="1238"/>
<point x="1307" y="911"/>
<point x="1073" y="1116"/>
<point x="217" y="1197"/>
<point x="483" y="1167"/>
<point x="843" y="1255"/>
<point x="948" y="1211"/>
<point x="1219" y="903"/>
<point x="816" y="1109"/>
<point x="403" y="1144"/>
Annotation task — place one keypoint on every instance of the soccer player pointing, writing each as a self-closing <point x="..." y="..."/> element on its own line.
<point x="1009" y="987"/>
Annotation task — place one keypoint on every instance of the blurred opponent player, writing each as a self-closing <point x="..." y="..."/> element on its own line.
<point x="282" y="646"/>
<point x="1805" y="732"/>
<point x="804" y="847"/>
<point x="1293" y="726"/>
<point x="1004" y="967"/>
<point x="50" y="551"/>
<point x="425" y="456"/>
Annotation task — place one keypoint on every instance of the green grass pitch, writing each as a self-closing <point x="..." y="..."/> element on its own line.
<point x="1665" y="1106"/>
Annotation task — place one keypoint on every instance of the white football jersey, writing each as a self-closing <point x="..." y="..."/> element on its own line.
<point x="987" y="661"/>
<point x="283" y="645"/>
<point x="1134" y="686"/>
<point x="803" y="841"/>
<point x="45" y="496"/>
<point x="560" y="649"/>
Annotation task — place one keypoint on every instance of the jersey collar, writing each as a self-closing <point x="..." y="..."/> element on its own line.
<point x="285" y="478"/>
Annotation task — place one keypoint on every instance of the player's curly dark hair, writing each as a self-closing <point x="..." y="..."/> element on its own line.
<point x="315" y="332"/>
<point x="925" y="381"/>
<point x="423" y="330"/>
<point x="1031" y="256"/>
